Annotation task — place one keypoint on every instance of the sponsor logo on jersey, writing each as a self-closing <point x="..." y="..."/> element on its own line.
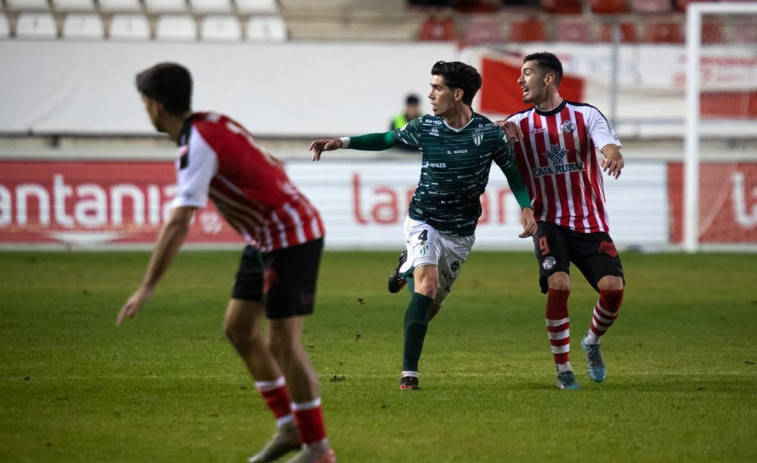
<point x="568" y="126"/>
<point x="549" y="263"/>
<point x="558" y="169"/>
<point x="437" y="165"/>
<point x="556" y="154"/>
<point x="538" y="130"/>
<point x="608" y="247"/>
<point x="478" y="137"/>
<point x="434" y="132"/>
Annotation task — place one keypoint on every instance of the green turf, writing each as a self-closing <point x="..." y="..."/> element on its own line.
<point x="166" y="386"/>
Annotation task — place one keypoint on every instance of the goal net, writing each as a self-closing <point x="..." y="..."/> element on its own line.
<point x="719" y="173"/>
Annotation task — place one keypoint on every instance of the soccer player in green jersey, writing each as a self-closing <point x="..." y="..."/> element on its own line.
<point x="458" y="147"/>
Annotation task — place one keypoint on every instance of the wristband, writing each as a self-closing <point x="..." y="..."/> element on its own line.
<point x="345" y="142"/>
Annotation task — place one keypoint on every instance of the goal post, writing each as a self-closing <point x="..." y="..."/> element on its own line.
<point x="692" y="222"/>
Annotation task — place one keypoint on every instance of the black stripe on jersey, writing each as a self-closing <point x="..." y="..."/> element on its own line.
<point x="186" y="130"/>
<point x="591" y="106"/>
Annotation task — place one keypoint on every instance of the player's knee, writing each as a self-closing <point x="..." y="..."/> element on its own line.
<point x="242" y="337"/>
<point x="610" y="283"/>
<point x="559" y="281"/>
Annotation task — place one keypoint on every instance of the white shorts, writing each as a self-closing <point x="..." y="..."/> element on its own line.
<point x="426" y="246"/>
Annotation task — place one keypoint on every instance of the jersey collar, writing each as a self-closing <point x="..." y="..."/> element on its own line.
<point x="473" y="116"/>
<point x="551" y="112"/>
<point x="186" y="129"/>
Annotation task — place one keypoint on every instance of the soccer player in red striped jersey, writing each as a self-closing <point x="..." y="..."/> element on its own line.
<point x="219" y="160"/>
<point x="558" y="158"/>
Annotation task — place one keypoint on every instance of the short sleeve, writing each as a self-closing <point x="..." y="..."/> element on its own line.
<point x="410" y="134"/>
<point x="599" y="129"/>
<point x="503" y="151"/>
<point x="196" y="166"/>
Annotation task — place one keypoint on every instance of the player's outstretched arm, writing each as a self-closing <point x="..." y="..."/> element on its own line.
<point x="169" y="242"/>
<point x="613" y="162"/>
<point x="367" y="142"/>
<point x="324" y="144"/>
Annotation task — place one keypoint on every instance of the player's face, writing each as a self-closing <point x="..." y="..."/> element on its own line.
<point x="533" y="83"/>
<point x="153" y="111"/>
<point x="442" y="97"/>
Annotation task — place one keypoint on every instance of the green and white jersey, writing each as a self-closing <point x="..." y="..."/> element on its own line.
<point x="455" y="169"/>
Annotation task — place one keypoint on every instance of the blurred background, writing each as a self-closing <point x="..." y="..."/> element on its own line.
<point x="81" y="166"/>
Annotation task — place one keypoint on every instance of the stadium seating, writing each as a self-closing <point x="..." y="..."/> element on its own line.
<point x="36" y="26"/>
<point x="74" y="5"/>
<point x="663" y="32"/>
<point x="266" y="29"/>
<point x="257" y="6"/>
<point x="175" y="28"/>
<point x="712" y="31"/>
<point x="127" y="26"/>
<point x="608" y="6"/>
<point x="210" y="6"/>
<point x="628" y="32"/>
<point x="120" y="6"/>
<point x="530" y="30"/>
<point x="745" y="31"/>
<point x="27" y="5"/>
<point x="83" y="26"/>
<point x="166" y="6"/>
<point x="651" y="6"/>
<point x="573" y="30"/>
<point x="5" y="30"/>
<point x="484" y="29"/>
<point x="220" y="28"/>
<point x="562" y="6"/>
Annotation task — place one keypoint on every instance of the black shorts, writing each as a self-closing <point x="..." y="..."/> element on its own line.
<point x="284" y="279"/>
<point x="593" y="253"/>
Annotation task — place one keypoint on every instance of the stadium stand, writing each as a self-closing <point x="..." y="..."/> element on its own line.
<point x="628" y="33"/>
<point x="745" y="31"/>
<point x="484" y="29"/>
<point x="663" y="32"/>
<point x="120" y="6"/>
<point x="220" y="28"/>
<point x="257" y="6"/>
<point x="166" y="6"/>
<point x="651" y="6"/>
<point x="129" y="27"/>
<point x="562" y="6"/>
<point x="83" y="26"/>
<point x="530" y="30"/>
<point x="74" y="5"/>
<point x="608" y="6"/>
<point x="573" y="30"/>
<point x="210" y="6"/>
<point x="5" y="29"/>
<point x="266" y="29"/>
<point x="36" y="26"/>
<point x="175" y="28"/>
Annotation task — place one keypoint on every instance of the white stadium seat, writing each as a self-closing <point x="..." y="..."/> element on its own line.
<point x="129" y="27"/>
<point x="267" y="29"/>
<point x="120" y="6"/>
<point x="176" y="28"/>
<point x="5" y="30"/>
<point x="36" y="26"/>
<point x="211" y="6"/>
<point x="257" y="6"/>
<point x="166" y="6"/>
<point x="74" y="5"/>
<point x="28" y="5"/>
<point x="83" y="26"/>
<point x="217" y="28"/>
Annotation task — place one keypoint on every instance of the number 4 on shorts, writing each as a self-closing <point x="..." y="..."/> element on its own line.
<point x="423" y="236"/>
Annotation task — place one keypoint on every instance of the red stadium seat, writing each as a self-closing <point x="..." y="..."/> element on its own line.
<point x="628" y="33"/>
<point x="562" y="6"/>
<point x="609" y="6"/>
<point x="682" y="4"/>
<point x="475" y="6"/>
<point x="438" y="28"/>
<point x="745" y="31"/>
<point x="570" y="30"/>
<point x="712" y="32"/>
<point x="530" y="30"/>
<point x="663" y="32"/>
<point x="484" y="29"/>
<point x="651" y="6"/>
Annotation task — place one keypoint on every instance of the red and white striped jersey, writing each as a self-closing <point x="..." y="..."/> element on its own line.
<point x="558" y="161"/>
<point x="220" y="160"/>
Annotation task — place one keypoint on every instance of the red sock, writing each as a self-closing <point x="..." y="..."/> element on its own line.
<point x="558" y="324"/>
<point x="606" y="310"/>
<point x="309" y="419"/>
<point x="276" y="396"/>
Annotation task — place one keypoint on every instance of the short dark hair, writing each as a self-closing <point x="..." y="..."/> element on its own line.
<point x="169" y="84"/>
<point x="412" y="99"/>
<point x="547" y="61"/>
<point x="459" y="75"/>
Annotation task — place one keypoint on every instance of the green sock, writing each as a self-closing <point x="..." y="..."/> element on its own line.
<point x="416" y="325"/>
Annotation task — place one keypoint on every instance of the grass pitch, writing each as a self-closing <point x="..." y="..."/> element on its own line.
<point x="167" y="387"/>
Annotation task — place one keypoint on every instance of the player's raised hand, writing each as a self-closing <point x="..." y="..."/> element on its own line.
<point x="134" y="303"/>
<point x="511" y="129"/>
<point x="528" y="221"/>
<point x="324" y="144"/>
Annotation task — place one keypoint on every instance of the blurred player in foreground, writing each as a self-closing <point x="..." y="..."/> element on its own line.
<point x="557" y="156"/>
<point x="458" y="148"/>
<point x="220" y="160"/>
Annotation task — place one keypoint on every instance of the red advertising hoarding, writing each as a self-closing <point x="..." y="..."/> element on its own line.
<point x="727" y="202"/>
<point x="95" y="203"/>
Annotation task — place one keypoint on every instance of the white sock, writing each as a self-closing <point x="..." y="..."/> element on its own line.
<point x="564" y="367"/>
<point x="413" y="374"/>
<point x="592" y="338"/>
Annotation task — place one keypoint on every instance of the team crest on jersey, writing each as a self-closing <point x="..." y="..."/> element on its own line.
<point x="478" y="137"/>
<point x="567" y="126"/>
<point x="556" y="154"/>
